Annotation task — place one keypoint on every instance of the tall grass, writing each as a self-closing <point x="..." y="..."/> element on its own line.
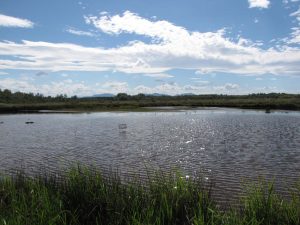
<point x="85" y="196"/>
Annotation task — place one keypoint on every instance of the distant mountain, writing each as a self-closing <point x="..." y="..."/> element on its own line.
<point x="186" y="94"/>
<point x="156" y="94"/>
<point x="104" y="95"/>
<point x="109" y="95"/>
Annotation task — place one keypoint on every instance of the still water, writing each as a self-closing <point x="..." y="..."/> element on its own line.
<point x="226" y="145"/>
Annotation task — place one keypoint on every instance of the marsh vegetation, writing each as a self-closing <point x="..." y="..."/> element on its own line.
<point x="16" y="102"/>
<point x="86" y="196"/>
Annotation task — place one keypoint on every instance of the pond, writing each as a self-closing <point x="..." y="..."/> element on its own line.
<point x="225" y="145"/>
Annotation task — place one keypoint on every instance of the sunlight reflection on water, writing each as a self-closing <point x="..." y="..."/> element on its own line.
<point x="225" y="145"/>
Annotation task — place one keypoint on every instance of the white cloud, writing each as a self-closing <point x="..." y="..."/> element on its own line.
<point x="259" y="3"/>
<point x="67" y="87"/>
<point x="296" y="14"/>
<point x="80" y="32"/>
<point x="9" y="21"/>
<point x="159" y="75"/>
<point x="295" y="34"/>
<point x="114" y="87"/>
<point x="258" y="78"/>
<point x="268" y="89"/>
<point x="175" y="89"/>
<point x="79" y="88"/>
<point x="143" y="89"/>
<point x="202" y="71"/>
<point x="226" y="87"/>
<point x="3" y="73"/>
<point x="53" y="88"/>
<point x="17" y="85"/>
<point x="132" y="23"/>
<point x="172" y="47"/>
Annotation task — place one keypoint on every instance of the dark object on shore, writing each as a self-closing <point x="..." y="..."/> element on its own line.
<point x="1" y="122"/>
<point x="29" y="122"/>
<point x="268" y="111"/>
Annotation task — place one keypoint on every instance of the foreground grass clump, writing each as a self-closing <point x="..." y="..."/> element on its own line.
<point x="84" y="196"/>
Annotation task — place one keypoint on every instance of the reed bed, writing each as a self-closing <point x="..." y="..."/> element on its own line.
<point x="84" y="196"/>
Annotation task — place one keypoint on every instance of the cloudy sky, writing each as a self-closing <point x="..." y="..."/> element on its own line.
<point x="158" y="46"/>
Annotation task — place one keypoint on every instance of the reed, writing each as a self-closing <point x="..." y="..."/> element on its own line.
<point x="85" y="196"/>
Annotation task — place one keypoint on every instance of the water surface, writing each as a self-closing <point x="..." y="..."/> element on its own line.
<point x="227" y="145"/>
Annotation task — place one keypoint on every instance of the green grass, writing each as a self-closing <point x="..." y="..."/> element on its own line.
<point x="135" y="103"/>
<point x="85" y="196"/>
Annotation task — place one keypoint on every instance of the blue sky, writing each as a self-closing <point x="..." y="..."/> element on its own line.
<point x="171" y="46"/>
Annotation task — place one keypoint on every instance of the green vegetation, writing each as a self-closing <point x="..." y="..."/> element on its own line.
<point x="84" y="196"/>
<point x="16" y="102"/>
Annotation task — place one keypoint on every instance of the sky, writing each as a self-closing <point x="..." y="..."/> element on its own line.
<point x="160" y="46"/>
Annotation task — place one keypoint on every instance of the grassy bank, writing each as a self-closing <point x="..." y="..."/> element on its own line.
<point x="19" y="102"/>
<point x="94" y="106"/>
<point x="84" y="196"/>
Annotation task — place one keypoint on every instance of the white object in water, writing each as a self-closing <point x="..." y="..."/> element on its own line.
<point x="122" y="126"/>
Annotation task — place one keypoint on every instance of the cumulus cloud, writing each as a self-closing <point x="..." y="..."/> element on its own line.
<point x="17" y="85"/>
<point x="114" y="86"/>
<point x="132" y="23"/>
<point x="171" y="47"/>
<point x="175" y="89"/>
<point x="79" y="88"/>
<point x="259" y="3"/>
<point x="159" y="75"/>
<point x="227" y="87"/>
<point x="9" y="21"/>
<point x="80" y="32"/>
<point x="53" y="88"/>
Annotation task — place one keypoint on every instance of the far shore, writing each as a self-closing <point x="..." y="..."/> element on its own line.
<point x="50" y="109"/>
<point x="139" y="109"/>
<point x="30" y="103"/>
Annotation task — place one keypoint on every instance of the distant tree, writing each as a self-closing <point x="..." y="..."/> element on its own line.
<point x="122" y="96"/>
<point x="74" y="97"/>
<point x="6" y="95"/>
<point x="140" y="96"/>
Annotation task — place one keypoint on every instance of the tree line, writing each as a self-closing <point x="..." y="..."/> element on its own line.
<point x="7" y="96"/>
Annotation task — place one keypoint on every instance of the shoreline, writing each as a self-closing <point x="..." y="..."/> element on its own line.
<point x="123" y="102"/>
<point x="138" y="109"/>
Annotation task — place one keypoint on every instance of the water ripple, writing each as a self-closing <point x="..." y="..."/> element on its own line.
<point x="227" y="146"/>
